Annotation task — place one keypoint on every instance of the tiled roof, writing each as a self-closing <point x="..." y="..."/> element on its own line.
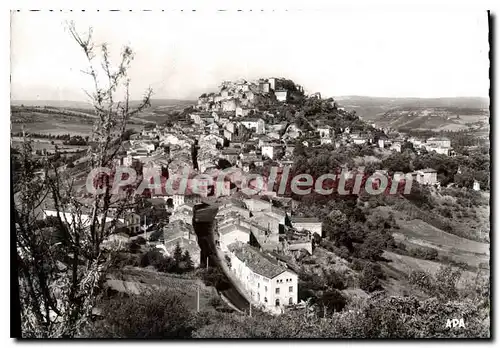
<point x="251" y="119"/>
<point x="438" y="139"/>
<point x="257" y="261"/>
<point x="231" y="151"/>
<point x="176" y="229"/>
<point x="186" y="244"/>
<point x="304" y="219"/>
<point x="231" y="228"/>
<point x="278" y="211"/>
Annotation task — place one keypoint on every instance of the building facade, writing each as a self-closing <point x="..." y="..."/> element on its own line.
<point x="268" y="282"/>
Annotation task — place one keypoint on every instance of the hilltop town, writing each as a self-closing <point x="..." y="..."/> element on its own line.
<point x="227" y="180"/>
<point x="279" y="252"/>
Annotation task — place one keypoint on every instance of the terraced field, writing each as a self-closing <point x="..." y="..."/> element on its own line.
<point x="135" y="280"/>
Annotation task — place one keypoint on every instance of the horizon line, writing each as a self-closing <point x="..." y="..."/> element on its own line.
<point x="189" y="99"/>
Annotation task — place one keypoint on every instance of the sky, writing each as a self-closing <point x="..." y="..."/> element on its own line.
<point x="183" y="54"/>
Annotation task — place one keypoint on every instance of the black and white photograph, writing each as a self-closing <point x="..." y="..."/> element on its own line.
<point x="250" y="174"/>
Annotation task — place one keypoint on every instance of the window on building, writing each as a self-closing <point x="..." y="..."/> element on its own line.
<point x="265" y="299"/>
<point x="258" y="297"/>
<point x="277" y="302"/>
<point x="277" y="290"/>
<point x="290" y="301"/>
<point x="258" y="285"/>
<point x="265" y="288"/>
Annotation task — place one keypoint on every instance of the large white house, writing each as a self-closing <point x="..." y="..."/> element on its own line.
<point x="268" y="281"/>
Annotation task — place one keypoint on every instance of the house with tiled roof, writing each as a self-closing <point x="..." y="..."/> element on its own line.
<point x="267" y="281"/>
<point x="231" y="233"/>
<point x="256" y="204"/>
<point x="427" y="176"/>
<point x="230" y="154"/>
<point x="184" y="212"/>
<point x="312" y="225"/>
<point x="230" y="209"/>
<point x="254" y="123"/>
<point x="181" y="233"/>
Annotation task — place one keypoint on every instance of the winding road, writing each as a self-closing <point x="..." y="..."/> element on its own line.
<point x="203" y="226"/>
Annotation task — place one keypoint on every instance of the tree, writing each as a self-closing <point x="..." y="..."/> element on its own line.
<point x="177" y="254"/>
<point x="369" y="280"/>
<point x="334" y="280"/>
<point x="186" y="258"/>
<point x="59" y="283"/>
<point x="337" y="228"/>
<point x="215" y="277"/>
<point x="398" y="162"/>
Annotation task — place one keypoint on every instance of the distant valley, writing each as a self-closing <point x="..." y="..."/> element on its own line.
<point x="77" y="117"/>
<point x="436" y="114"/>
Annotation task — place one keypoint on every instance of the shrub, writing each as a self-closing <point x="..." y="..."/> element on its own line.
<point x="140" y="240"/>
<point x="125" y="259"/>
<point x="151" y="258"/>
<point x="422" y="280"/>
<point x="166" y="265"/>
<point x="134" y="247"/>
<point x="424" y="253"/>
<point x="308" y="261"/>
<point x="312" y="281"/>
<point x="214" y="277"/>
<point x="156" y="235"/>
<point x="153" y="315"/>
<point x="333" y="301"/>
<point x="358" y="264"/>
<point x="334" y="280"/>
<point x="228" y="260"/>
<point x="483" y="265"/>
<point x="369" y="279"/>
<point x="215" y="301"/>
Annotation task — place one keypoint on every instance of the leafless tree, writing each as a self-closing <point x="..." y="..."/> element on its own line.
<point x="62" y="264"/>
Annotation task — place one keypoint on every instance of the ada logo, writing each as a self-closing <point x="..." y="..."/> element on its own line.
<point x="455" y="323"/>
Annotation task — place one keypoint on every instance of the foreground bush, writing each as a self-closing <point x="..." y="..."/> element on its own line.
<point x="379" y="317"/>
<point x="154" y="315"/>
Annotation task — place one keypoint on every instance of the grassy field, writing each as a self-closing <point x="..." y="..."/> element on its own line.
<point x="416" y="233"/>
<point x="135" y="280"/>
<point x="405" y="264"/>
<point x="399" y="268"/>
<point x="56" y="124"/>
<point x="428" y="118"/>
<point x="45" y="144"/>
<point x="59" y="128"/>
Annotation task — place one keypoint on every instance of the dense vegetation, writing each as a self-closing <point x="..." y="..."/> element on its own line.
<point x="163" y="314"/>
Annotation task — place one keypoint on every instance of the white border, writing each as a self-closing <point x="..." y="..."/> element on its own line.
<point x="440" y="5"/>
